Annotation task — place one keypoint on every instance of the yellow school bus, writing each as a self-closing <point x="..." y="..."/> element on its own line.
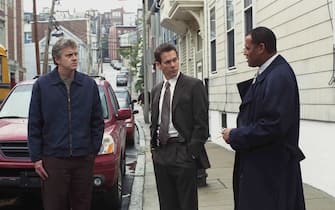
<point x="5" y="85"/>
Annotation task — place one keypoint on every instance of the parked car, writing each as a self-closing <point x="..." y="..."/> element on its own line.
<point x="117" y="66"/>
<point x="121" y="79"/>
<point x="17" y="171"/>
<point x="113" y="62"/>
<point x="106" y="60"/>
<point x="124" y="70"/>
<point x="125" y="101"/>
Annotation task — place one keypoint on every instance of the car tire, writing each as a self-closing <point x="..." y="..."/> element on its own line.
<point x="123" y="163"/>
<point x="130" y="141"/>
<point x="113" y="197"/>
<point x="32" y="200"/>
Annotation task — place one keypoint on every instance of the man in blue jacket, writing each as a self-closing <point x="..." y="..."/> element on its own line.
<point x="65" y="131"/>
<point x="267" y="173"/>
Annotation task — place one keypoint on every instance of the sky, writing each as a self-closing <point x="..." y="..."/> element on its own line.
<point x="83" y="5"/>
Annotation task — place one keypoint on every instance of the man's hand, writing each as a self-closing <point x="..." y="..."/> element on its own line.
<point x="225" y="134"/>
<point x="40" y="170"/>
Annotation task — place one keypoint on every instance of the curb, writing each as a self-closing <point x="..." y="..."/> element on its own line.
<point x="136" y="200"/>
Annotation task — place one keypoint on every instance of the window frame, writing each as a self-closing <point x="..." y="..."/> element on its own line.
<point x="230" y="35"/>
<point x="212" y="39"/>
<point x="248" y="9"/>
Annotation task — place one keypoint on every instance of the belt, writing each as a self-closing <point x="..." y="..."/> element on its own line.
<point x="172" y="140"/>
<point x="177" y="139"/>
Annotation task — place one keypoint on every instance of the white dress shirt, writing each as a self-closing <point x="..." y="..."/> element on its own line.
<point x="266" y="64"/>
<point x="173" y="81"/>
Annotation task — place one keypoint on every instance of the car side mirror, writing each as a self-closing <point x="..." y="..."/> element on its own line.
<point x="123" y="113"/>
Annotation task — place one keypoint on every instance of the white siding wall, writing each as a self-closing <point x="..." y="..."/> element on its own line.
<point x="317" y="142"/>
<point x="305" y="38"/>
<point x="304" y="34"/>
<point x="183" y="54"/>
<point x="190" y="52"/>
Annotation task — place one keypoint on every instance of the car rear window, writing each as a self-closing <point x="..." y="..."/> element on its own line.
<point x="121" y="94"/>
<point x="104" y="104"/>
<point x="123" y="103"/>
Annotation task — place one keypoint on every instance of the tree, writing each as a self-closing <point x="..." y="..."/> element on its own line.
<point x="132" y="54"/>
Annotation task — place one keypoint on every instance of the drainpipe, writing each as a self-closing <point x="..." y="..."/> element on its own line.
<point x="332" y="79"/>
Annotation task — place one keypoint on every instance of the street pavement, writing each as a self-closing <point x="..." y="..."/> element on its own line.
<point x="217" y="195"/>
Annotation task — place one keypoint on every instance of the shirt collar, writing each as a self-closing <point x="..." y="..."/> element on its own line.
<point x="267" y="63"/>
<point x="173" y="80"/>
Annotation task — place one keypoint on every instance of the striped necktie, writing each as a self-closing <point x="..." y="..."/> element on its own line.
<point x="165" y="115"/>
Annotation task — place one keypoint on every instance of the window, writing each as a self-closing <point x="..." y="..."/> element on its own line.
<point x="27" y="37"/>
<point x="230" y="34"/>
<point x="116" y="14"/>
<point x="0" y="68"/>
<point x="10" y="3"/>
<point x="212" y="39"/>
<point x="150" y="2"/>
<point x="247" y="16"/>
<point x="2" y="4"/>
<point x="199" y="42"/>
<point x="2" y="31"/>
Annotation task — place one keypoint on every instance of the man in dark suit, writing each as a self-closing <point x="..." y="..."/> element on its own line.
<point x="267" y="173"/>
<point x="179" y="130"/>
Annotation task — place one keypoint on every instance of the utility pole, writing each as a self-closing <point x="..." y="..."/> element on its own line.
<point x="99" y="45"/>
<point x="145" y="66"/>
<point x="37" y="49"/>
<point x="47" y="41"/>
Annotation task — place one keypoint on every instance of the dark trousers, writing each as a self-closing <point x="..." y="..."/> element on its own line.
<point x="176" y="181"/>
<point x="70" y="183"/>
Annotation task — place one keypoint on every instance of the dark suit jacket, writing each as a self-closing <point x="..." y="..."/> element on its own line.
<point x="189" y="115"/>
<point x="267" y="169"/>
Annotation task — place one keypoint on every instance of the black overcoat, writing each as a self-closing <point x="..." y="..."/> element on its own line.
<point x="267" y="173"/>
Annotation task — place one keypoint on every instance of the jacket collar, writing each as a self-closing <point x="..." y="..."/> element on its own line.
<point x="55" y="78"/>
<point x="178" y="90"/>
<point x="278" y="60"/>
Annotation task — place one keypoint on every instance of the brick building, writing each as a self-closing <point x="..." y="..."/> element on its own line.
<point x="11" y="36"/>
<point x="114" y="39"/>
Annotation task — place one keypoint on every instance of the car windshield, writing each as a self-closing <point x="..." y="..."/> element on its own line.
<point x="17" y="104"/>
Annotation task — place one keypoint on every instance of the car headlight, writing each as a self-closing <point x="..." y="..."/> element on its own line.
<point x="108" y="145"/>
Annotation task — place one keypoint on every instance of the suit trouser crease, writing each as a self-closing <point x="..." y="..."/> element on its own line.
<point x="175" y="173"/>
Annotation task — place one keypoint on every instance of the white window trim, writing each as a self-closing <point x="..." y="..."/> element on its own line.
<point x="211" y="39"/>
<point x="230" y="68"/>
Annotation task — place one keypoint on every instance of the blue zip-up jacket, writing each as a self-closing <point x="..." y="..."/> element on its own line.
<point x="62" y="126"/>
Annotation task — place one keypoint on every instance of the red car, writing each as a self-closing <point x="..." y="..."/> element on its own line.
<point x="124" y="98"/>
<point x="17" y="171"/>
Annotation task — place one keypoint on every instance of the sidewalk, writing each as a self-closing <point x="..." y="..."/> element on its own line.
<point x="218" y="194"/>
